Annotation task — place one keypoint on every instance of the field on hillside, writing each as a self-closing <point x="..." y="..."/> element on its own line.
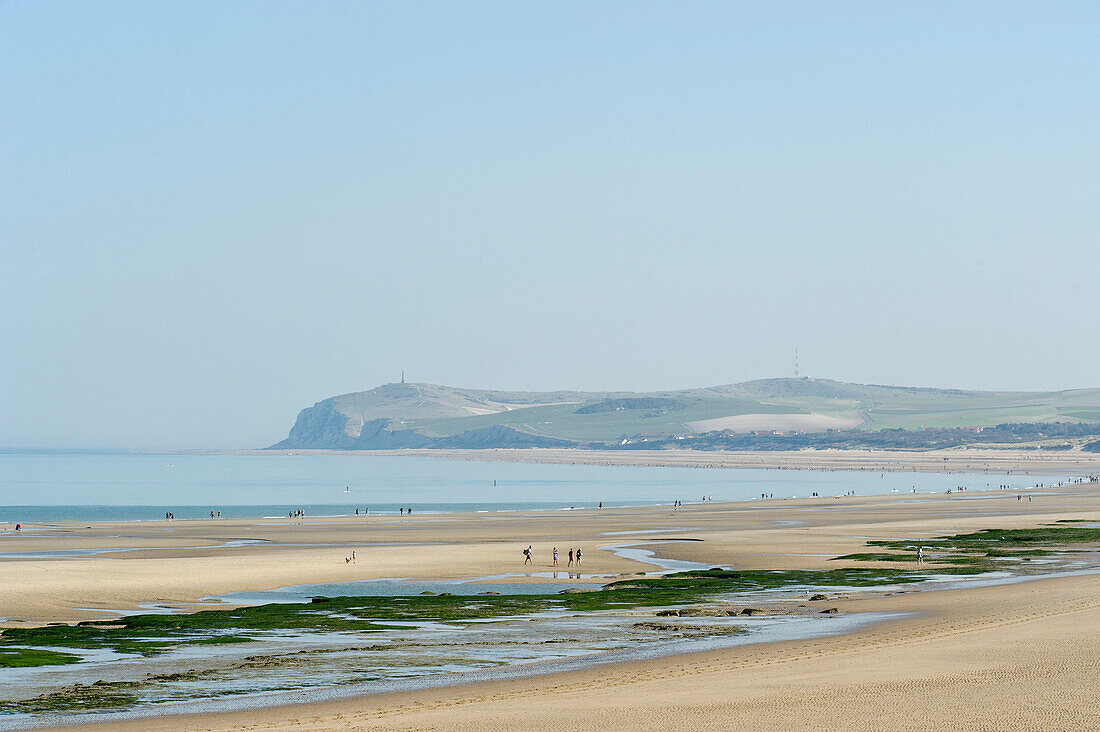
<point x="983" y="409"/>
<point x="805" y="413"/>
<point x="565" y="422"/>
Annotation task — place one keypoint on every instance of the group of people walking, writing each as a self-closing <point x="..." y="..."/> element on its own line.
<point x="573" y="554"/>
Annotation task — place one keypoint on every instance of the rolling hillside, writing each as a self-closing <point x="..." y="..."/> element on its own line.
<point x="428" y="415"/>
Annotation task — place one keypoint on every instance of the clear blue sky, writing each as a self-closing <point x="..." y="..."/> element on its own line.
<point x="214" y="214"/>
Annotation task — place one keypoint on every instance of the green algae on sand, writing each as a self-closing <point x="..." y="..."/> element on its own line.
<point x="153" y="634"/>
<point x="29" y="657"/>
<point x="974" y="552"/>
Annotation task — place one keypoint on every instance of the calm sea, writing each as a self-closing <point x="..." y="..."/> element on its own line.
<point x="37" y="486"/>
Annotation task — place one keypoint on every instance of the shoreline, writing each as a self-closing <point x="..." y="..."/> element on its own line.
<point x="50" y="517"/>
<point x="954" y="460"/>
<point x="472" y="512"/>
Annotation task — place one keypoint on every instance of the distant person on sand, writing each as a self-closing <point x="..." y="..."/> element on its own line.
<point x="19" y="527"/>
<point x="570" y="558"/>
<point x="527" y="556"/>
<point x="920" y="555"/>
<point x="555" y="556"/>
<point x="578" y="556"/>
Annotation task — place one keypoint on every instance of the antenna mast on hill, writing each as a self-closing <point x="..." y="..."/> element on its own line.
<point x="796" y="363"/>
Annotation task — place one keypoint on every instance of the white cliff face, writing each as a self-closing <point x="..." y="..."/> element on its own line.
<point x="319" y="427"/>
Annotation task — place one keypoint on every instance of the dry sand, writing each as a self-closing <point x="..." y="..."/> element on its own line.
<point x="1005" y="657"/>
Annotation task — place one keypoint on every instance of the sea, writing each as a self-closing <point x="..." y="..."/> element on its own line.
<point x="39" y="486"/>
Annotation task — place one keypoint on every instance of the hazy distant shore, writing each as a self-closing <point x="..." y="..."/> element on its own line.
<point x="955" y="460"/>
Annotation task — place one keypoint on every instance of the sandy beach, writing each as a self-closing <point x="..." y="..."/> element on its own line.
<point x="1011" y="656"/>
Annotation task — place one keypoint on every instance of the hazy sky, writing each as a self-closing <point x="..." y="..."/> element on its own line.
<point x="214" y="214"/>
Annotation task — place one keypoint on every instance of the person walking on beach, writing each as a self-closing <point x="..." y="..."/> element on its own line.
<point x="527" y="556"/>
<point x="920" y="555"/>
<point x="555" y="556"/>
<point x="578" y="556"/>
<point x="570" y="558"/>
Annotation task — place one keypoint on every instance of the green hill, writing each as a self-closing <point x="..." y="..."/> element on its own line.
<point x="428" y="415"/>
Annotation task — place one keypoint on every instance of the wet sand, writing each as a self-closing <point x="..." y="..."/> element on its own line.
<point x="1019" y="655"/>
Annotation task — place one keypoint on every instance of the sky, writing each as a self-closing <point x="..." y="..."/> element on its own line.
<point x="213" y="215"/>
